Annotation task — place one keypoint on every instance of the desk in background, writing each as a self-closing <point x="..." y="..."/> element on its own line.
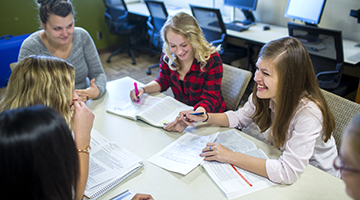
<point x="145" y="140"/>
<point x="255" y="34"/>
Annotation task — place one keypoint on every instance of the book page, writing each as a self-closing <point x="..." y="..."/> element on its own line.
<point x="163" y="112"/>
<point x="130" y="109"/>
<point x="107" y="162"/>
<point x="232" y="180"/>
<point x="232" y="140"/>
<point x="182" y="155"/>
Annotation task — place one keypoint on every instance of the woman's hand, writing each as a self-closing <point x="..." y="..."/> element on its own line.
<point x="217" y="152"/>
<point x="139" y="196"/>
<point x="176" y="126"/>
<point x="133" y="96"/>
<point x="83" y="120"/>
<point x="189" y="119"/>
<point x="91" y="92"/>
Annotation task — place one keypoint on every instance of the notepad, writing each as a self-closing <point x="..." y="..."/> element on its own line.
<point x="153" y="110"/>
<point x="109" y="165"/>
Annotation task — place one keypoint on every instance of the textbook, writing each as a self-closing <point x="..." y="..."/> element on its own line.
<point x="234" y="181"/>
<point x="109" y="165"/>
<point x="153" y="110"/>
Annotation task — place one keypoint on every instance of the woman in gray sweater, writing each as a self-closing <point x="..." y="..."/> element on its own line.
<point x="60" y="38"/>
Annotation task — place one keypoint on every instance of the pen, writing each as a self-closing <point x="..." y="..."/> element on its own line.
<point x="136" y="91"/>
<point x="197" y="113"/>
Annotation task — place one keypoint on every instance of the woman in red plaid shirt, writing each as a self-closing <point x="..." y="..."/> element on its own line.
<point x="190" y="66"/>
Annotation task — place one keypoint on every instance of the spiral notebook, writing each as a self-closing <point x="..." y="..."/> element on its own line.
<point x="109" y="165"/>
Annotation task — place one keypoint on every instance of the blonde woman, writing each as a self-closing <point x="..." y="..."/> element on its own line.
<point x="348" y="162"/>
<point x="288" y="107"/>
<point x="50" y="81"/>
<point x="190" y="66"/>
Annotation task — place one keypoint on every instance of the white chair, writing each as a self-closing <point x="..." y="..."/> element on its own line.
<point x="343" y="110"/>
<point x="233" y="85"/>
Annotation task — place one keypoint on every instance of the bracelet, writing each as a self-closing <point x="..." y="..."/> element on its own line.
<point x="86" y="150"/>
<point x="143" y="89"/>
<point x="207" y="117"/>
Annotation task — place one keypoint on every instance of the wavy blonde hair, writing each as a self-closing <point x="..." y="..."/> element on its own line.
<point x="297" y="80"/>
<point x="186" y="26"/>
<point x="41" y="80"/>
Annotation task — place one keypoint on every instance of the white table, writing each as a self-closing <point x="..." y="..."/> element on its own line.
<point x="145" y="140"/>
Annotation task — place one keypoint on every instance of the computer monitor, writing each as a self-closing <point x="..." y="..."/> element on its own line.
<point x="246" y="6"/>
<point x="308" y="11"/>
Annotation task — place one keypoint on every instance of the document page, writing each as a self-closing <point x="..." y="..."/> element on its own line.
<point x="234" y="181"/>
<point x="163" y="112"/>
<point x="130" y="109"/>
<point x="107" y="162"/>
<point x="182" y="155"/>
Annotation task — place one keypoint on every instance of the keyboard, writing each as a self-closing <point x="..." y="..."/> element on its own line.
<point x="236" y="27"/>
<point x="231" y="26"/>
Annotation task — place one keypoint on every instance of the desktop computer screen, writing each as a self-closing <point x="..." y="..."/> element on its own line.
<point x="246" y="7"/>
<point x="308" y="11"/>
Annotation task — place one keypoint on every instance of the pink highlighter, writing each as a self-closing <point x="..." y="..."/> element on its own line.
<point x="136" y="91"/>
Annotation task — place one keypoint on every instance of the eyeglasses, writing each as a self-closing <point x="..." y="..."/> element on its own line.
<point x="340" y="165"/>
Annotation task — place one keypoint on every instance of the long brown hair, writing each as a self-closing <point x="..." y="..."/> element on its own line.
<point x="297" y="80"/>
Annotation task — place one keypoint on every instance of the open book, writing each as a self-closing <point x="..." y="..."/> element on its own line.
<point x="109" y="165"/>
<point x="153" y="110"/>
<point x="234" y="181"/>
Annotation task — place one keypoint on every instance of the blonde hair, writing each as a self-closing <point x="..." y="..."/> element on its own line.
<point x="41" y="80"/>
<point x="186" y="26"/>
<point x="352" y="137"/>
<point x="297" y="80"/>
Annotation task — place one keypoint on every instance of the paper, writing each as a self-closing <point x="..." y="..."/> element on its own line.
<point x="107" y="163"/>
<point x="182" y="155"/>
<point x="234" y="181"/>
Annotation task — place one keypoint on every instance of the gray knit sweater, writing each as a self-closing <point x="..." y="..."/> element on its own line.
<point x="84" y="57"/>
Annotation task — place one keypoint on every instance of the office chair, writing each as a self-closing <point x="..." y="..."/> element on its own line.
<point x="233" y="85"/>
<point x="326" y="52"/>
<point x="117" y="19"/>
<point x="343" y="110"/>
<point x="158" y="16"/>
<point x="213" y="27"/>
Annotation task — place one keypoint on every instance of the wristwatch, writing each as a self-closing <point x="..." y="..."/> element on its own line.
<point x="86" y="150"/>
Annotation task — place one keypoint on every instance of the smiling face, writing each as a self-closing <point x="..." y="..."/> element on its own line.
<point x="59" y="30"/>
<point x="351" y="179"/>
<point x="266" y="78"/>
<point x="180" y="47"/>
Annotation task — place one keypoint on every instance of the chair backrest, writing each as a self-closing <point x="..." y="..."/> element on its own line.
<point x="233" y="85"/>
<point x="343" y="110"/>
<point x="158" y="16"/>
<point x="115" y="14"/>
<point x="325" y="49"/>
<point x="212" y="24"/>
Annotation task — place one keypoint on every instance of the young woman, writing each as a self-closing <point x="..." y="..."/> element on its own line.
<point x="288" y="107"/>
<point x="348" y="162"/>
<point x="50" y="81"/>
<point x="49" y="172"/>
<point x="190" y="66"/>
<point x="60" y="38"/>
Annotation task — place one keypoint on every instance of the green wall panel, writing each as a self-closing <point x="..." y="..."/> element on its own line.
<point x="19" y="17"/>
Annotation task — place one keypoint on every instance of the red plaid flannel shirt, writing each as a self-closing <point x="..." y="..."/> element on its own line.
<point x="201" y="87"/>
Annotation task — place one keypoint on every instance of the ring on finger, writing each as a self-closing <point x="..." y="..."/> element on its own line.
<point x="210" y="148"/>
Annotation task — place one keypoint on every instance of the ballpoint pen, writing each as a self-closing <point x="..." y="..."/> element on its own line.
<point x="196" y="113"/>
